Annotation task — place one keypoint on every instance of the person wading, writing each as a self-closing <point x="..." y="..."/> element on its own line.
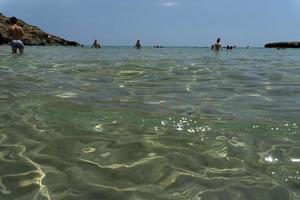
<point x="16" y="34"/>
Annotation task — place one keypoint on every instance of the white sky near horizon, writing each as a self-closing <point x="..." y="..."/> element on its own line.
<point x="163" y="22"/>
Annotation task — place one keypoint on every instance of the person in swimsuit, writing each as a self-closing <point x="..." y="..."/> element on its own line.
<point x="16" y="33"/>
<point x="218" y="45"/>
<point x="96" y="44"/>
<point x="138" y="44"/>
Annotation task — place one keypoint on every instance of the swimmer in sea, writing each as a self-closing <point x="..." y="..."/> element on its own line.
<point x="138" y="44"/>
<point x="96" y="44"/>
<point x="16" y="33"/>
<point x="218" y="45"/>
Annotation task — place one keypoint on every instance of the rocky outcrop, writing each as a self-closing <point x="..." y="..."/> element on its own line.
<point x="33" y="35"/>
<point x="283" y="45"/>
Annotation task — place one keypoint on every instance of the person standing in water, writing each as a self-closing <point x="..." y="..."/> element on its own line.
<point x="96" y="44"/>
<point x="138" y="44"/>
<point x="16" y="33"/>
<point x="218" y="45"/>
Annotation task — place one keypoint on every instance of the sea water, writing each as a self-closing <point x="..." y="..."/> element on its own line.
<point x="150" y="124"/>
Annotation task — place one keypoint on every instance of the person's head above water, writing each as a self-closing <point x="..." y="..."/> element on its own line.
<point x="13" y="20"/>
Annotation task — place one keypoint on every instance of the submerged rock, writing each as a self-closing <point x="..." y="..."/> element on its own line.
<point x="33" y="35"/>
<point x="283" y="45"/>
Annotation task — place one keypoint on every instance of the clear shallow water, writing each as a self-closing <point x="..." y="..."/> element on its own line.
<point x="173" y="123"/>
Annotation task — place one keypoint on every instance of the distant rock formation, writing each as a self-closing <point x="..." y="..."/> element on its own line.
<point x="33" y="35"/>
<point x="283" y="45"/>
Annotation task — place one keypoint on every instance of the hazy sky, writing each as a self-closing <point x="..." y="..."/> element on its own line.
<point x="166" y="22"/>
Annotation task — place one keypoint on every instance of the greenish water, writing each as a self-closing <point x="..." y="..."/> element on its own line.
<point x="149" y="124"/>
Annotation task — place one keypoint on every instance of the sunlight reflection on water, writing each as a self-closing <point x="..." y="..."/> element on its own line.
<point x="172" y="123"/>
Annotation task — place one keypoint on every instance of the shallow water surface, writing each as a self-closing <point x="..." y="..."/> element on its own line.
<point x="172" y="123"/>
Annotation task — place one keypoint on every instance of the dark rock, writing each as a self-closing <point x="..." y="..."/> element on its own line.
<point x="33" y="35"/>
<point x="1" y="38"/>
<point x="283" y="45"/>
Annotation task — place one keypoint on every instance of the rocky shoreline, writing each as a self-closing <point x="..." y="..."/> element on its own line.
<point x="283" y="45"/>
<point x="33" y="35"/>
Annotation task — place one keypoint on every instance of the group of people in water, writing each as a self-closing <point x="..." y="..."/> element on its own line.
<point x="16" y="33"/>
<point x="138" y="45"/>
<point x="97" y="45"/>
<point x="218" y="46"/>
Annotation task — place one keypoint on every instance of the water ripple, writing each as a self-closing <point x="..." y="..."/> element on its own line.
<point x="172" y="123"/>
